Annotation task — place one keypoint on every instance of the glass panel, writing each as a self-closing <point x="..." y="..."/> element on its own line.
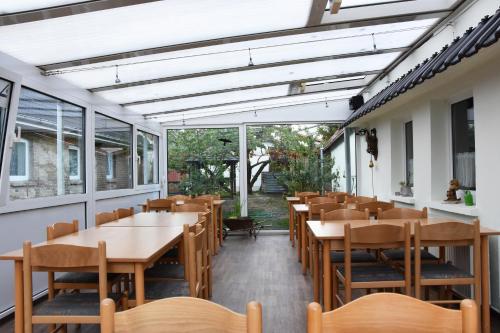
<point x="147" y="158"/>
<point x="5" y="91"/>
<point x="146" y="26"/>
<point x="113" y="147"/>
<point x="16" y="6"/>
<point x="283" y="159"/>
<point x="353" y="3"/>
<point x="48" y="131"/>
<point x="464" y="147"/>
<point x="409" y="153"/>
<point x="204" y="160"/>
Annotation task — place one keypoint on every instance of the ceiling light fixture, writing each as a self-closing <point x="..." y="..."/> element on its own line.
<point x="326" y="102"/>
<point x="117" y="79"/>
<point x="250" y="61"/>
<point x="374" y="44"/>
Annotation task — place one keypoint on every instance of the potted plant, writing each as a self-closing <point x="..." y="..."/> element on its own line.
<point x="405" y="189"/>
<point x="235" y="222"/>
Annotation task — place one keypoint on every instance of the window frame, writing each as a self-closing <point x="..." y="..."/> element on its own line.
<point x="26" y="176"/>
<point x="405" y="129"/>
<point x="156" y="156"/>
<point x="79" y="163"/>
<point x="110" y="161"/>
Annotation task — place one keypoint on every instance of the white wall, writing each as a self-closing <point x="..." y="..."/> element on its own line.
<point x="428" y="106"/>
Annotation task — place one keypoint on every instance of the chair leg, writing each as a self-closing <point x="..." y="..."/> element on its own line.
<point x="335" y="287"/>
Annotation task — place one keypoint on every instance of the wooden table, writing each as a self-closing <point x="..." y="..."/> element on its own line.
<point x="291" y="217"/>
<point x="128" y="250"/>
<point x="331" y="235"/>
<point x="143" y="206"/>
<point x="153" y="219"/>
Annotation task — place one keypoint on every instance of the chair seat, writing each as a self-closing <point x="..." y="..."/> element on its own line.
<point x="372" y="273"/>
<point x="164" y="289"/>
<point x="443" y="271"/>
<point x="73" y="304"/>
<point x="399" y="255"/>
<point x="83" y="277"/>
<point x="165" y="271"/>
<point x="356" y="257"/>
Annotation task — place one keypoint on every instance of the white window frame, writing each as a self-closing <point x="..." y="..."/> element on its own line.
<point x="110" y="163"/>
<point x="78" y="163"/>
<point x="405" y="152"/>
<point x="26" y="176"/>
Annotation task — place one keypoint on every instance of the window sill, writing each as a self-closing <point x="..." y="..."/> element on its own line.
<point x="459" y="208"/>
<point x="406" y="200"/>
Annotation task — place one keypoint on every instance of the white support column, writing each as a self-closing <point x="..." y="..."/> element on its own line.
<point x="243" y="170"/>
<point x="60" y="151"/>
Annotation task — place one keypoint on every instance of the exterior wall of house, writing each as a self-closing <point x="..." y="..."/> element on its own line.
<point x="429" y="108"/>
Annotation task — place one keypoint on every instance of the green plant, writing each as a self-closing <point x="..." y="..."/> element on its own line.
<point x="236" y="211"/>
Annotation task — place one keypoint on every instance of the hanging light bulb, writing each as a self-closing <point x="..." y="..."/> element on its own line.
<point x="117" y="79"/>
<point x="183" y="120"/>
<point x="250" y="61"/>
<point x="326" y="102"/>
<point x="374" y="44"/>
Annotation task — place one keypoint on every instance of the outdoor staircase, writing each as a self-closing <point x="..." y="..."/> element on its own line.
<point x="270" y="183"/>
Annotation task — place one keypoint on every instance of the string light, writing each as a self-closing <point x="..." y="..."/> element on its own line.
<point x="326" y="102"/>
<point x="374" y="44"/>
<point x="250" y="61"/>
<point x="117" y="79"/>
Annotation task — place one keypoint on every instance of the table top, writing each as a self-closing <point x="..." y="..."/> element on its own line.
<point x="292" y="199"/>
<point x="304" y="208"/>
<point x="153" y="219"/>
<point x="335" y="229"/>
<point x="125" y="244"/>
<point x="182" y="202"/>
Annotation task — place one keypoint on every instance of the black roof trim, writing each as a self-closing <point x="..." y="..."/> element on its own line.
<point x="486" y="33"/>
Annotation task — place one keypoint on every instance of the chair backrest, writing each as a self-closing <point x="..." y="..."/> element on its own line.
<point x="157" y="205"/>
<point x="211" y="196"/>
<point x="178" y="197"/>
<point x="125" y="212"/>
<point x="401" y="213"/>
<point x="197" y="260"/>
<point x="180" y="314"/>
<point x="393" y="313"/>
<point x="318" y="200"/>
<point x="373" y="206"/>
<point x="359" y="199"/>
<point x="61" y="258"/>
<point x="303" y="195"/>
<point x="105" y="217"/>
<point x="344" y="214"/>
<point x="60" y="229"/>
<point x="315" y="209"/>
<point x="190" y="207"/>
<point x="200" y="201"/>
<point x="334" y="194"/>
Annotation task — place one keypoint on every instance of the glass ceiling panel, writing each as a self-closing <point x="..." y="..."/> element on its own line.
<point x="148" y="25"/>
<point x="352" y="3"/>
<point x="16" y="6"/>
<point x="264" y="51"/>
<point x="230" y="97"/>
<point x="262" y="105"/>
<point x="299" y="72"/>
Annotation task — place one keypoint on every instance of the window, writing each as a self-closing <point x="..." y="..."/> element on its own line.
<point x="464" y="148"/>
<point x="19" y="164"/>
<point x="74" y="163"/>
<point x="409" y="152"/>
<point x="113" y="147"/>
<point x="48" y="152"/>
<point x="5" y="90"/>
<point x="147" y="158"/>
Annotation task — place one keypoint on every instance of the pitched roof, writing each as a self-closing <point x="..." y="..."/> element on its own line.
<point x="486" y="33"/>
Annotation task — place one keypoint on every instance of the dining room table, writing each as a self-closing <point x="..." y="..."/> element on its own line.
<point x="330" y="235"/>
<point x="132" y="244"/>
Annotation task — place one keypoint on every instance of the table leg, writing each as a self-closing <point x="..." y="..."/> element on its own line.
<point x="220" y="225"/>
<point x="139" y="283"/>
<point x="214" y="223"/>
<point x="485" y="285"/>
<point x="297" y="217"/>
<point x="315" y="269"/>
<point x="327" y="293"/>
<point x="19" y="297"/>
<point x="303" y="244"/>
<point x="291" y="226"/>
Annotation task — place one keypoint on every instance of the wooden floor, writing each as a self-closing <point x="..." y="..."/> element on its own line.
<point x="265" y="270"/>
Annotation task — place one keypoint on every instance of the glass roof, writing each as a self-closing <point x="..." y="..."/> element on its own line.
<point x="352" y="3"/>
<point x="16" y="6"/>
<point x="147" y="25"/>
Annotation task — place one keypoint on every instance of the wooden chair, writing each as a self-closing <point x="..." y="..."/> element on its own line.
<point x="179" y="197"/>
<point x="318" y="200"/>
<point x="204" y="221"/>
<point x="211" y="196"/>
<point x="447" y="274"/>
<point x="66" y="308"/>
<point x="373" y="206"/>
<point x="360" y="199"/>
<point x="158" y="205"/>
<point x="302" y="196"/>
<point x="105" y="217"/>
<point x="339" y="196"/>
<point x="74" y="280"/>
<point x="200" y="201"/>
<point x="392" y="313"/>
<point x="382" y="275"/>
<point x="190" y="207"/>
<point x="401" y="213"/>
<point x="125" y="212"/>
<point x="315" y="209"/>
<point x="180" y="314"/>
<point x="173" y="288"/>
<point x="344" y="214"/>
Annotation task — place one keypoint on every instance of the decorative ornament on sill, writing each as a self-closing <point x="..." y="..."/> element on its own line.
<point x="372" y="143"/>
<point x="451" y="194"/>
